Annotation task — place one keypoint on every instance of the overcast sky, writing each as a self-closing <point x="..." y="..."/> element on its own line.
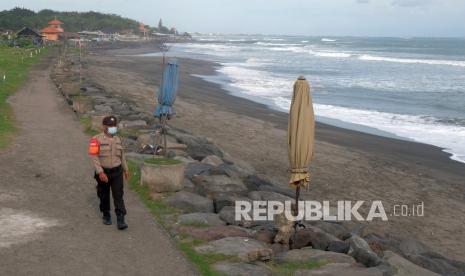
<point x="403" y="18"/>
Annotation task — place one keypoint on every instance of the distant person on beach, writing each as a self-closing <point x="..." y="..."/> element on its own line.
<point x="107" y="154"/>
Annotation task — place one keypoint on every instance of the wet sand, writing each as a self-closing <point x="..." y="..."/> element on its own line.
<point x="347" y="165"/>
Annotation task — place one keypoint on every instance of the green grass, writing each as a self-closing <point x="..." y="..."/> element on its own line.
<point x="86" y="122"/>
<point x="204" y="262"/>
<point x="81" y="97"/>
<point x="290" y="268"/>
<point x="15" y="64"/>
<point x="158" y="208"/>
<point x="162" y="161"/>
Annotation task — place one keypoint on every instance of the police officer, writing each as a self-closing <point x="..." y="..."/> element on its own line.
<point x="107" y="154"/>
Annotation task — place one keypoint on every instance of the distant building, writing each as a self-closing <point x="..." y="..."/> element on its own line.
<point x="95" y="36"/>
<point x="28" y="33"/>
<point x="128" y="37"/>
<point x="54" y="30"/>
<point x="69" y="36"/>
<point x="143" y="29"/>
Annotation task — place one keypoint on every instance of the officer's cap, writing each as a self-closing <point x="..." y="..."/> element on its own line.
<point x="110" y="121"/>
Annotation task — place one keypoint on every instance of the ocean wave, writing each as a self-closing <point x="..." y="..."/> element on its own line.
<point x="238" y="40"/>
<point x="460" y="63"/>
<point x="273" y="39"/>
<point x="254" y="82"/>
<point x="328" y="40"/>
<point x="364" y="57"/>
<point x="256" y="62"/>
<point x="421" y="129"/>
<point x="308" y="50"/>
<point x="276" y="90"/>
<point x="297" y="48"/>
<point x="250" y="71"/>
<point x="207" y="39"/>
<point x="330" y="54"/>
<point x="294" y="49"/>
<point x="210" y="46"/>
<point x="275" y="44"/>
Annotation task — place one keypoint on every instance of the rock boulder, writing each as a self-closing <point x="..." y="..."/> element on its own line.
<point x="306" y="255"/>
<point x="190" y="202"/>
<point x="240" y="269"/>
<point x="246" y="249"/>
<point x="361" y="251"/>
<point x="210" y="219"/>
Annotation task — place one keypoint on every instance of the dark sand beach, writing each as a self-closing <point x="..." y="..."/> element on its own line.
<point x="347" y="165"/>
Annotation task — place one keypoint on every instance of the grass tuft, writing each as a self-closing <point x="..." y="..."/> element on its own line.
<point x="14" y="65"/>
<point x="290" y="268"/>
<point x="162" y="161"/>
<point x="159" y="209"/>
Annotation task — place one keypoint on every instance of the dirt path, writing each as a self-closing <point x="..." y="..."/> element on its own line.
<point x="49" y="219"/>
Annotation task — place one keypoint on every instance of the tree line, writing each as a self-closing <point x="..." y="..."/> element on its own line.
<point x="17" y="18"/>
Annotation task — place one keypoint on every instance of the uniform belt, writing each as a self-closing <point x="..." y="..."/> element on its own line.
<point x="112" y="170"/>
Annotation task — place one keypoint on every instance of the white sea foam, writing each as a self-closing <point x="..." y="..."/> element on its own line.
<point x="309" y="50"/>
<point x="207" y="39"/>
<point x="256" y="62"/>
<point x="211" y="46"/>
<point x="402" y="84"/>
<point x="273" y="39"/>
<point x="237" y="40"/>
<point x="275" y="44"/>
<point x="420" y="129"/>
<point x="460" y="63"/>
<point x="294" y="49"/>
<point x="253" y="82"/>
<point x="328" y="40"/>
<point x="330" y="54"/>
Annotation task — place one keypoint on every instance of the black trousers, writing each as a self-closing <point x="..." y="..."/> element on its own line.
<point x="115" y="184"/>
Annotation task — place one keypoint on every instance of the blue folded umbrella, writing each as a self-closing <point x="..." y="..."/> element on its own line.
<point x="168" y="91"/>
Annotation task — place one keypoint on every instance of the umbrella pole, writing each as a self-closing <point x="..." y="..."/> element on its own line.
<point x="155" y="141"/>
<point x="163" y="130"/>
<point x="297" y="224"/>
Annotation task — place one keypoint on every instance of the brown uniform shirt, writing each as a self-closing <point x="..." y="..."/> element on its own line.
<point x="111" y="153"/>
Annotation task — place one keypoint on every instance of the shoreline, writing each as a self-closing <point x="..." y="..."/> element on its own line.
<point x="355" y="130"/>
<point x="348" y="165"/>
<point x="414" y="150"/>
<point x="389" y="139"/>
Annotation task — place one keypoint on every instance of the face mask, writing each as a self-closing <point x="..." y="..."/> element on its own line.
<point x="112" y="130"/>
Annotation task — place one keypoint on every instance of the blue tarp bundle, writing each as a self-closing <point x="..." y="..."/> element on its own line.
<point x="168" y="91"/>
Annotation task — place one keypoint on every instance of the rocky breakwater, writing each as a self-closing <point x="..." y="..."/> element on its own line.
<point x="213" y="183"/>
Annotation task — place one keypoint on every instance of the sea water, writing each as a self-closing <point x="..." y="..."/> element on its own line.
<point x="412" y="88"/>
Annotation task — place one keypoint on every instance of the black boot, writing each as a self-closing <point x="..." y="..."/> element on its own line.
<point x="120" y="221"/>
<point x="106" y="218"/>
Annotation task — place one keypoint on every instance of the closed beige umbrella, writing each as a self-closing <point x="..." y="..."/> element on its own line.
<point x="301" y="135"/>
